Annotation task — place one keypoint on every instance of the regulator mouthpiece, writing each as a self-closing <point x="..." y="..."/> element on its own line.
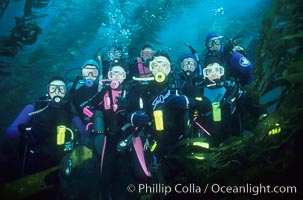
<point x="57" y="99"/>
<point x="159" y="77"/>
<point x="89" y="83"/>
<point x="114" y="84"/>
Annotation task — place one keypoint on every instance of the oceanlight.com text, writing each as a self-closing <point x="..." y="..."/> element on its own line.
<point x="253" y="189"/>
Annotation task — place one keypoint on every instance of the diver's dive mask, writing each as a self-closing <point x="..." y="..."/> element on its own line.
<point x="215" y="41"/>
<point x="117" y="75"/>
<point x="189" y="65"/>
<point x="147" y="54"/>
<point x="114" y="54"/>
<point x="57" y="91"/>
<point x="90" y="74"/>
<point x="213" y="71"/>
<point x="160" y="68"/>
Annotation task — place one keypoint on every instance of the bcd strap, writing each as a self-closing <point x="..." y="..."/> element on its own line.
<point x="143" y="71"/>
<point x="110" y="99"/>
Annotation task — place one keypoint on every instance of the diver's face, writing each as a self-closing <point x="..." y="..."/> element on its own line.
<point x="214" y="44"/>
<point x="57" y="88"/>
<point x="147" y="53"/>
<point x="117" y="73"/>
<point x="159" y="64"/>
<point x="213" y="72"/>
<point x="114" y="54"/>
<point x="90" y="72"/>
<point x="189" y="64"/>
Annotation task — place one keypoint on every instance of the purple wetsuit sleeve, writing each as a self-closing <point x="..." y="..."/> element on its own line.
<point x="12" y="131"/>
<point x="242" y="65"/>
<point x="80" y="126"/>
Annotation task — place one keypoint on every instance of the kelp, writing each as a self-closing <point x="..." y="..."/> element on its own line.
<point x="32" y="184"/>
<point x="238" y="160"/>
<point x="279" y="45"/>
<point x="294" y="72"/>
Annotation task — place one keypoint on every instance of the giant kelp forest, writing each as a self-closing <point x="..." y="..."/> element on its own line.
<point x="270" y="153"/>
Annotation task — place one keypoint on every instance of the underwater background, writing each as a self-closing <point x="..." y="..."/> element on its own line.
<point x="42" y="38"/>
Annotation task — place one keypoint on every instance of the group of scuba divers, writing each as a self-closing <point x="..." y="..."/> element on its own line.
<point x="138" y="112"/>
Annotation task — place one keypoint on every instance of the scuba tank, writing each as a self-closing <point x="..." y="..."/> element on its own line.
<point x="98" y="121"/>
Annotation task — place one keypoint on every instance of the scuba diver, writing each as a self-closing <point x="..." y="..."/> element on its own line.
<point x="224" y="93"/>
<point x="232" y="55"/>
<point x="119" y="144"/>
<point x="165" y="103"/>
<point x="81" y="94"/>
<point x="83" y="89"/>
<point x="161" y="115"/>
<point x="140" y="66"/>
<point x="190" y="86"/>
<point x="36" y="127"/>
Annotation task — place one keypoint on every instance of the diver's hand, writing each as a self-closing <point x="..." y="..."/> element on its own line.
<point x="139" y="118"/>
<point x="24" y="128"/>
<point x="203" y="105"/>
<point x="181" y="101"/>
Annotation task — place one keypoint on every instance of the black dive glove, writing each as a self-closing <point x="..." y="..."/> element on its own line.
<point x="203" y="105"/>
<point x="181" y="101"/>
<point x="24" y="128"/>
<point x="138" y="118"/>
